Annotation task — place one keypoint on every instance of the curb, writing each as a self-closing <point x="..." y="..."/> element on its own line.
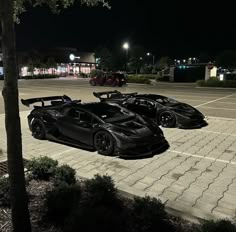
<point x="172" y="211"/>
<point x="221" y="88"/>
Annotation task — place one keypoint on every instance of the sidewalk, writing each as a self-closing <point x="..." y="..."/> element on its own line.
<point x="195" y="177"/>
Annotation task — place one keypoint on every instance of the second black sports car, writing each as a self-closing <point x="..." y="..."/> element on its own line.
<point x="165" y="111"/>
<point x="109" y="129"/>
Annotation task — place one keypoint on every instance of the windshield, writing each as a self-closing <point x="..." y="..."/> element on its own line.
<point x="109" y="113"/>
<point x="166" y="101"/>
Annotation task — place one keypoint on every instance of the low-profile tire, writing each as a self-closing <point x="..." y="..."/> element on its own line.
<point x="167" y="119"/>
<point x="104" y="143"/>
<point x="120" y="84"/>
<point x="38" y="129"/>
<point x="115" y="83"/>
<point x="92" y="82"/>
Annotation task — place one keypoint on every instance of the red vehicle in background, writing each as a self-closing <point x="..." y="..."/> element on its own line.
<point x="108" y="79"/>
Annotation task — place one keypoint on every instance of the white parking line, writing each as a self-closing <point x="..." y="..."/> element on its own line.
<point x="215" y="100"/>
<point x="208" y="107"/>
<point x="229" y="103"/>
<point x="203" y="157"/>
<point x="221" y="118"/>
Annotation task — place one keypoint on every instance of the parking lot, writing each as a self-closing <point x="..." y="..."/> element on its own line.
<point x="195" y="177"/>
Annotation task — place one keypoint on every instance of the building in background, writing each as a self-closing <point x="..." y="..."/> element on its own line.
<point x="60" y="62"/>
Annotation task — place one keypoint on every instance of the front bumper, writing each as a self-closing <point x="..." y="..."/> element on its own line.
<point x="142" y="149"/>
<point x="192" y="123"/>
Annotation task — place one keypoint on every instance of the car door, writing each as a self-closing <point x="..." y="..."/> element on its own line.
<point x="77" y="125"/>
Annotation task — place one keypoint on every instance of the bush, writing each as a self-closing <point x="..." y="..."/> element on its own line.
<point x="148" y="214"/>
<point x="99" y="218"/>
<point x="96" y="73"/>
<point x="218" y="226"/>
<point x="100" y="190"/>
<point x="42" y="168"/>
<point x="100" y="208"/>
<point x="60" y="202"/>
<point x="162" y="78"/>
<point x="4" y="192"/>
<point x="229" y="84"/>
<point x="144" y="79"/>
<point x="83" y="75"/>
<point x="65" y="174"/>
<point x="215" y="82"/>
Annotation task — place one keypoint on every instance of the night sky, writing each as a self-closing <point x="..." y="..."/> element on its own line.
<point x="174" y="28"/>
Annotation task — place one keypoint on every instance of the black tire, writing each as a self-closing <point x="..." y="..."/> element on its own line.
<point x="167" y="119"/>
<point x="38" y="129"/>
<point x="115" y="83"/>
<point x="120" y="84"/>
<point x="104" y="143"/>
<point x="92" y="82"/>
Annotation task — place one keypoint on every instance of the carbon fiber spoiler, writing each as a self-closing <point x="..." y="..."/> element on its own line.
<point x="109" y="94"/>
<point x="28" y="102"/>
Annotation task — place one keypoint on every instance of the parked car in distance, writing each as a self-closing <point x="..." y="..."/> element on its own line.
<point x="109" y="129"/>
<point x="109" y="79"/>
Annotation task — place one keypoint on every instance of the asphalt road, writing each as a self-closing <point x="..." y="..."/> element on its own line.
<point x="214" y="102"/>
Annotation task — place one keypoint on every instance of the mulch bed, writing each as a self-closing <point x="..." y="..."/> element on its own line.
<point x="36" y="190"/>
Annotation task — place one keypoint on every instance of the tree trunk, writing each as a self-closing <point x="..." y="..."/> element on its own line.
<point x="19" y="207"/>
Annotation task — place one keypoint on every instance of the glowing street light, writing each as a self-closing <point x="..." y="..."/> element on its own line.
<point x="126" y="46"/>
<point x="153" y="57"/>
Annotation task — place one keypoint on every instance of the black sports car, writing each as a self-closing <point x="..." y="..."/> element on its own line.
<point x="164" y="111"/>
<point x="109" y="129"/>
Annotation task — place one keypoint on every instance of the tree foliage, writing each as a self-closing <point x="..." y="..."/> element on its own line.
<point x="105" y="58"/>
<point x="136" y="58"/>
<point x="163" y="63"/>
<point x="54" y="5"/>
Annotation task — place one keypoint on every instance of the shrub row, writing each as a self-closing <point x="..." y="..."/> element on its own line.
<point x="162" y="78"/>
<point x="40" y="76"/>
<point x="144" y="79"/>
<point x="83" y="75"/>
<point x="215" y="82"/>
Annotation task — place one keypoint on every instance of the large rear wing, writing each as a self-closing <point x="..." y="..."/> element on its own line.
<point x="112" y="94"/>
<point x="60" y="100"/>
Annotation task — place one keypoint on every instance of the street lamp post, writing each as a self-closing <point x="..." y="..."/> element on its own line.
<point x="153" y="57"/>
<point x="126" y="47"/>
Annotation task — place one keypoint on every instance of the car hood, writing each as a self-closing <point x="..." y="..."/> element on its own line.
<point x="133" y="128"/>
